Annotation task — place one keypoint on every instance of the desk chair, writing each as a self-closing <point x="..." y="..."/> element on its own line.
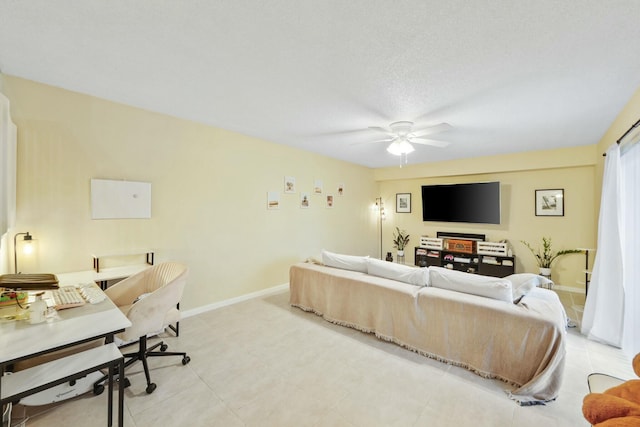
<point x="150" y="300"/>
<point x="613" y="401"/>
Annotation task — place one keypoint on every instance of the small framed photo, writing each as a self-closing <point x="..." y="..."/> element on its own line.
<point x="340" y="189"/>
<point x="403" y="202"/>
<point x="289" y="184"/>
<point x="329" y="201"/>
<point x="550" y="202"/>
<point x="317" y="186"/>
<point x="304" y="200"/>
<point x="273" y="200"/>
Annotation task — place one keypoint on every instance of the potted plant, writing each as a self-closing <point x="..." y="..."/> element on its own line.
<point x="400" y="240"/>
<point x="546" y="256"/>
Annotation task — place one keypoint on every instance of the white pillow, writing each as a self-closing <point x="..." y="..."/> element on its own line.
<point x="475" y="284"/>
<point x="402" y="273"/>
<point x="345" y="262"/>
<point x="522" y="283"/>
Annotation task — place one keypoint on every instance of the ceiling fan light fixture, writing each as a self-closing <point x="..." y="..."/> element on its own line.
<point x="399" y="147"/>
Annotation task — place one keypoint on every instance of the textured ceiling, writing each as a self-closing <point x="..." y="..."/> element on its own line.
<point x="508" y="75"/>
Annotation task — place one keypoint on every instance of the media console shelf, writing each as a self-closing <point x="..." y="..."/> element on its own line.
<point x="459" y="251"/>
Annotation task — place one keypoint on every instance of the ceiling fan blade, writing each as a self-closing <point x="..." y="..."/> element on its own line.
<point x="431" y="130"/>
<point x="348" y="132"/>
<point x="372" y="142"/>
<point x="383" y="130"/>
<point x="432" y="142"/>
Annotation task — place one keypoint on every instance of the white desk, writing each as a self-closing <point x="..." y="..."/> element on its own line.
<point x="20" y="340"/>
<point x="101" y="278"/>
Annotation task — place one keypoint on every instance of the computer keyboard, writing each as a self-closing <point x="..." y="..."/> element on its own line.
<point x="70" y="296"/>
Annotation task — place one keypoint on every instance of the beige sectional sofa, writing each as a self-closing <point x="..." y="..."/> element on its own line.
<point x="522" y="344"/>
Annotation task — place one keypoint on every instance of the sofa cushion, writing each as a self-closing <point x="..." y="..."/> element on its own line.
<point x="403" y="273"/>
<point x="345" y="262"/>
<point x="475" y="284"/>
<point x="522" y="283"/>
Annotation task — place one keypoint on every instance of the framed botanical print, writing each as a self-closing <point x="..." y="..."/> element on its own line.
<point x="550" y="202"/>
<point x="403" y="202"/>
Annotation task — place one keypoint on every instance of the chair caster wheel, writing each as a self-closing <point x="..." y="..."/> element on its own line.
<point x="98" y="389"/>
<point x="164" y="347"/>
<point x="186" y="360"/>
<point x="151" y="387"/>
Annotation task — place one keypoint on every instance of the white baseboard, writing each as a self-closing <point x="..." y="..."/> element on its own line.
<point x="265" y="292"/>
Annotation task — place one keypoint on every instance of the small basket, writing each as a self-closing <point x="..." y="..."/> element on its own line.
<point x="463" y="246"/>
<point x="431" y="243"/>
<point x="491" y="248"/>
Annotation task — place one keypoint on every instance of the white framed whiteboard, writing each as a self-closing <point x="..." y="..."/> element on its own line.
<point x="111" y="199"/>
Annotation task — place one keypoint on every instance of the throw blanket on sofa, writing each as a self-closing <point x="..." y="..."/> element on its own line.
<point x="523" y="344"/>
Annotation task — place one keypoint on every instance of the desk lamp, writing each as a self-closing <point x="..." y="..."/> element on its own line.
<point x="27" y="249"/>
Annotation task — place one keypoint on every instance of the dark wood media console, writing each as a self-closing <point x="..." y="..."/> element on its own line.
<point x="467" y="260"/>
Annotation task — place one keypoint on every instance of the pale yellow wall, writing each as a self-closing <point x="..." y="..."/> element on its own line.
<point x="209" y="192"/>
<point x="519" y="175"/>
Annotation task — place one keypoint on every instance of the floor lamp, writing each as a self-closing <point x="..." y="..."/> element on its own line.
<point x="381" y="216"/>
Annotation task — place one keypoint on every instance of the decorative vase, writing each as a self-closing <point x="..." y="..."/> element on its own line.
<point x="400" y="253"/>
<point x="546" y="272"/>
<point x="389" y="257"/>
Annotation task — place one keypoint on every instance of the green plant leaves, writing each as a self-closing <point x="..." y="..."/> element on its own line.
<point x="546" y="256"/>
<point x="400" y="239"/>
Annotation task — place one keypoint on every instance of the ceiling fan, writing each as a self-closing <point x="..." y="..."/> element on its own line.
<point x="401" y="135"/>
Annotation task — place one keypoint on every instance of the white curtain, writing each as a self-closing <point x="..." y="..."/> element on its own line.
<point x="604" y="309"/>
<point x="630" y="190"/>
<point x="8" y="135"/>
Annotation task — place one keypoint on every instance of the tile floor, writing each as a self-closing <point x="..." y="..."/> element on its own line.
<point x="263" y="363"/>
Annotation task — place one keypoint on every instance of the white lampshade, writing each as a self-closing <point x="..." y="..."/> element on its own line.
<point x="28" y="251"/>
<point x="27" y="247"/>
<point x="399" y="147"/>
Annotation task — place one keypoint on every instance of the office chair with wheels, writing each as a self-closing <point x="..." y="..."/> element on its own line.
<point x="150" y="300"/>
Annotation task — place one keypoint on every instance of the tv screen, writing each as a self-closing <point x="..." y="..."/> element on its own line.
<point x="475" y="202"/>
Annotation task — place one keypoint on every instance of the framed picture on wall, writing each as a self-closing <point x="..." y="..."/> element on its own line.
<point x="550" y="202"/>
<point x="329" y="200"/>
<point x="289" y="184"/>
<point x="304" y="200"/>
<point x="273" y="200"/>
<point x="403" y="202"/>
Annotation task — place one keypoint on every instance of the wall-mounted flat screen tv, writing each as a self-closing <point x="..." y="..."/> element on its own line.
<point x="477" y="202"/>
